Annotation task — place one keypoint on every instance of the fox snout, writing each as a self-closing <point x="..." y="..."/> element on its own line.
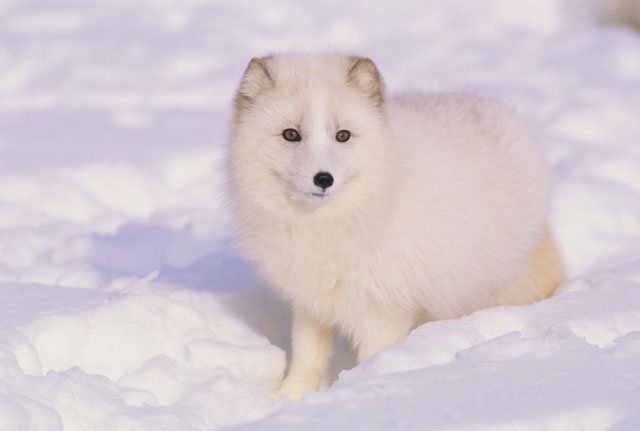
<point x="324" y="180"/>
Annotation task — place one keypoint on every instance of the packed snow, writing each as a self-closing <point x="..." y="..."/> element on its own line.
<point x="123" y="305"/>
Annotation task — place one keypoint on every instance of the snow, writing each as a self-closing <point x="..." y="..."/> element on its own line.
<point x="123" y="305"/>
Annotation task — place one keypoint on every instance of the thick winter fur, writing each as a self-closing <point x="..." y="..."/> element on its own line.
<point x="438" y="206"/>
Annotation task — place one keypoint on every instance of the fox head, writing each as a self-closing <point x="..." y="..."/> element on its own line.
<point x="310" y="131"/>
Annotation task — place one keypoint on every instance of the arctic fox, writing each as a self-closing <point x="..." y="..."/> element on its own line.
<point x="372" y="214"/>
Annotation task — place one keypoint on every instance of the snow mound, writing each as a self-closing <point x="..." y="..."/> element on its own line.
<point x="114" y="358"/>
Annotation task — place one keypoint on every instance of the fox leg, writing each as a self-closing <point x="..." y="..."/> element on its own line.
<point x="311" y="351"/>
<point x="375" y="333"/>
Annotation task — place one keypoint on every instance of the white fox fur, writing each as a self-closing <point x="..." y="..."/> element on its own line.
<point x="438" y="206"/>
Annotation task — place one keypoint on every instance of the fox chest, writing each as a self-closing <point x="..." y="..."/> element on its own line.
<point x="328" y="273"/>
<point x="313" y="260"/>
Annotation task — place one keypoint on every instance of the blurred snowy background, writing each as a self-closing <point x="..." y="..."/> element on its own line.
<point x="122" y="304"/>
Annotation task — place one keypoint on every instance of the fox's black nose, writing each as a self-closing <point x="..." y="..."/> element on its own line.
<point x="323" y="179"/>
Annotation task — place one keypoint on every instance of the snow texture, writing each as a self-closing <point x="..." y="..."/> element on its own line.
<point x="122" y="304"/>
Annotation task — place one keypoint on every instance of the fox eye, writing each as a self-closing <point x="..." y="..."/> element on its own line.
<point x="291" y="135"/>
<point x="343" y="136"/>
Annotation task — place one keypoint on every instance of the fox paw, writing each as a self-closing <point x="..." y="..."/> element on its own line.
<point x="295" y="390"/>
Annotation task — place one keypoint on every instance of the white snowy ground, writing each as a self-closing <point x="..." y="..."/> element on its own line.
<point x="122" y="305"/>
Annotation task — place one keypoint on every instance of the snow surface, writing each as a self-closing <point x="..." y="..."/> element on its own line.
<point x="122" y="304"/>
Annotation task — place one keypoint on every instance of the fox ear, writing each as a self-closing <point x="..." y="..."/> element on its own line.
<point x="256" y="78"/>
<point x="364" y="74"/>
